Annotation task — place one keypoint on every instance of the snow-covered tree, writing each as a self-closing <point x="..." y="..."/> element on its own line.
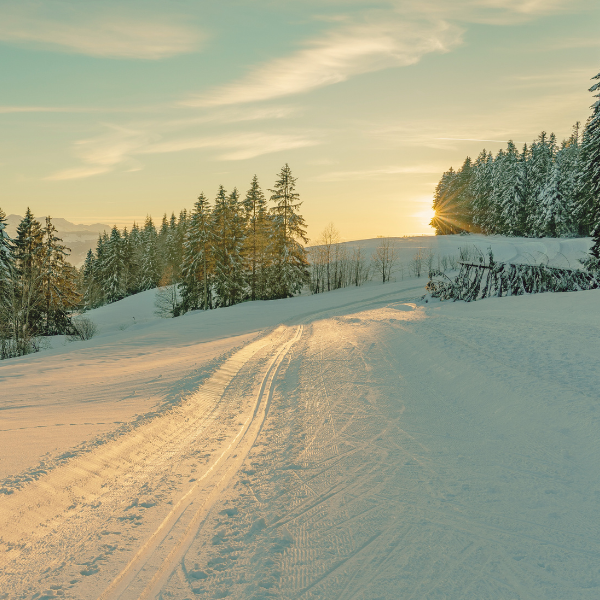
<point x="591" y="166"/>
<point x="512" y="190"/>
<point x="258" y="223"/>
<point x="114" y="267"/>
<point x="28" y="252"/>
<point x="6" y="260"/>
<point x="58" y="282"/>
<point x="196" y="271"/>
<point x="150" y="267"/>
<point x="289" y="272"/>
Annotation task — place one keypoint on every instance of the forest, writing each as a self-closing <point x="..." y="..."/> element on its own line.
<point x="545" y="189"/>
<point x="220" y="254"/>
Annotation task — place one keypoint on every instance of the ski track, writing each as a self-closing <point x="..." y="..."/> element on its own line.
<point x="339" y="457"/>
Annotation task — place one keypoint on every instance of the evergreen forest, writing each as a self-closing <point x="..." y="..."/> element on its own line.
<point x="219" y="254"/>
<point x="545" y="189"/>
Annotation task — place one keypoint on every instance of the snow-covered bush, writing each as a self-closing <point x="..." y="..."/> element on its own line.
<point x="82" y="328"/>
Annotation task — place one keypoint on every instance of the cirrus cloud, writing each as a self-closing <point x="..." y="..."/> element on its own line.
<point x="79" y="29"/>
<point x="341" y="54"/>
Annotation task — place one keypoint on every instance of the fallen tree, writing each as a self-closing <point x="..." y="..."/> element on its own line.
<point x="476" y="281"/>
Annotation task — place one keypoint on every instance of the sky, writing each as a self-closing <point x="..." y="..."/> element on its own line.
<point x="111" y="111"/>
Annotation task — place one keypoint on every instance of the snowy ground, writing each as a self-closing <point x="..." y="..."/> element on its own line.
<point x="358" y="444"/>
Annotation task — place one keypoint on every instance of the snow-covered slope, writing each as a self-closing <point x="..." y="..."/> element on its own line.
<point x="358" y="444"/>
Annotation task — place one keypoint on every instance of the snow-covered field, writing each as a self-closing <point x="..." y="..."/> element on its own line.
<point x="358" y="444"/>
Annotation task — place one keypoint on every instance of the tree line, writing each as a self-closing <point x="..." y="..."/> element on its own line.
<point x="220" y="254"/>
<point x="546" y="189"/>
<point x="235" y="249"/>
<point x="38" y="286"/>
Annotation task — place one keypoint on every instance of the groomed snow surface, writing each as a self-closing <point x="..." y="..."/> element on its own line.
<point x="360" y="444"/>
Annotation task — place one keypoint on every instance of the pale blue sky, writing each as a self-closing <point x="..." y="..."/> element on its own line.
<point x="110" y="111"/>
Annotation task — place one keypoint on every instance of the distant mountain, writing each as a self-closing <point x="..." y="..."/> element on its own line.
<point x="79" y="238"/>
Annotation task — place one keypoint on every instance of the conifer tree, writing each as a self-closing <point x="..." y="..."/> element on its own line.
<point x="512" y="191"/>
<point x="133" y="253"/>
<point x="29" y="248"/>
<point x="289" y="271"/>
<point x="257" y="217"/>
<point x="150" y="268"/>
<point x="197" y="252"/>
<point x="6" y="261"/>
<point x="235" y="238"/>
<point x="114" y="267"/>
<point x="58" y="280"/>
<point x="89" y="285"/>
<point x="591" y="166"/>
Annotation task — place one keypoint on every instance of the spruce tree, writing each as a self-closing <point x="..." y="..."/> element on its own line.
<point x="29" y="248"/>
<point x="196" y="272"/>
<point x="7" y="272"/>
<point x="289" y="272"/>
<point x="591" y="167"/>
<point x="59" y="283"/>
<point x="257" y="217"/>
<point x="6" y="261"/>
<point x="150" y="268"/>
<point x="236" y="247"/>
<point x="114" y="267"/>
<point x="89" y="286"/>
<point x="512" y="192"/>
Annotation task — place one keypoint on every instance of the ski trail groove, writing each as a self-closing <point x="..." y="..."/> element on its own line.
<point x="222" y="470"/>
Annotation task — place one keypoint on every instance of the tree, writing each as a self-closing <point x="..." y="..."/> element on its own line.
<point x="7" y="272"/>
<point x="28" y="304"/>
<point x="114" y="267"/>
<point x="257" y="218"/>
<point x="453" y="201"/>
<point x="6" y="260"/>
<point x="512" y="190"/>
<point x="289" y="272"/>
<point x="196" y="269"/>
<point x="385" y="258"/>
<point x="149" y="259"/>
<point x="591" y="166"/>
<point x="58" y="282"/>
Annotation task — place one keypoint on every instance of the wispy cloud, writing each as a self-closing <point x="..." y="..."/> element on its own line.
<point x="240" y="146"/>
<point x="70" y="28"/>
<point x="379" y="173"/>
<point x="120" y="148"/>
<point x="459" y="139"/>
<point x="342" y="53"/>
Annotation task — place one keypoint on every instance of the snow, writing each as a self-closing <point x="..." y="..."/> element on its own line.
<point x="357" y="444"/>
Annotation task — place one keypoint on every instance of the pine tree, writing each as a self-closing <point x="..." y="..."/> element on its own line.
<point x="481" y="192"/>
<point x="7" y="273"/>
<point x="89" y="285"/>
<point x="150" y="268"/>
<point x="257" y="217"/>
<point x="236" y="237"/>
<point x="543" y="151"/>
<point x="289" y="272"/>
<point x="591" y="166"/>
<point x="6" y="261"/>
<point x="133" y="251"/>
<point x="114" y="267"/>
<point x="196" y="272"/>
<point x="59" y="283"/>
<point x="99" y="268"/>
<point x="29" y="248"/>
<point x="512" y="191"/>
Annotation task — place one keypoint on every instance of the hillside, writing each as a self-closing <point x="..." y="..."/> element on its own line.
<point x="362" y="443"/>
